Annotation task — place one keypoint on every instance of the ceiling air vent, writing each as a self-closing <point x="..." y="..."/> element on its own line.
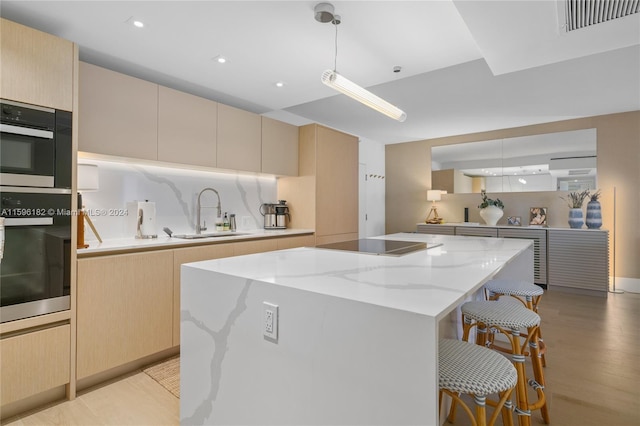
<point x="583" y="13"/>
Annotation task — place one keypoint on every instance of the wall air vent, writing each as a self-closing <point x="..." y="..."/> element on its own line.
<point x="583" y="13"/>
<point x="579" y="172"/>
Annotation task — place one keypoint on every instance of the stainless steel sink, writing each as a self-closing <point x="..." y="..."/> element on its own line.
<point x="208" y="235"/>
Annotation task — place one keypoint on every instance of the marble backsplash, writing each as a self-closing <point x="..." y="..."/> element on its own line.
<point x="175" y="193"/>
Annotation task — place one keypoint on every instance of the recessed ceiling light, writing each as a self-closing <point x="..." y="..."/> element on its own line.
<point x="220" y="59"/>
<point x="138" y="24"/>
<point x="280" y="84"/>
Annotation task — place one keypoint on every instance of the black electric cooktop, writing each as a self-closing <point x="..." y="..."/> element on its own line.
<point x="373" y="246"/>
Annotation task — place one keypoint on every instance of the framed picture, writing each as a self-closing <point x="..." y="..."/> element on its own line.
<point x="514" y="220"/>
<point x="538" y="216"/>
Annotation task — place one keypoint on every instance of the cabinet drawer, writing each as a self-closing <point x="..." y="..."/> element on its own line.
<point x="436" y="229"/>
<point x="476" y="232"/>
<point x="34" y="362"/>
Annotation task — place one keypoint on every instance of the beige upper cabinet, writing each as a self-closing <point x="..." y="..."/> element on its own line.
<point x="118" y="114"/>
<point x="36" y="67"/>
<point x="239" y="139"/>
<point x="187" y="127"/>
<point x="279" y="148"/>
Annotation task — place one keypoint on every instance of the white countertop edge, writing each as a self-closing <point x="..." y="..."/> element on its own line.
<point x="166" y="242"/>
<point x="482" y="225"/>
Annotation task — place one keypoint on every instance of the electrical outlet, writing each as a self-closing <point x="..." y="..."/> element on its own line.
<point x="270" y="320"/>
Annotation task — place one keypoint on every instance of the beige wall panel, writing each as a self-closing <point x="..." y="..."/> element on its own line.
<point x="239" y="139"/>
<point x="125" y="309"/>
<point x="279" y="148"/>
<point x="444" y="180"/>
<point x="34" y="362"/>
<point x="408" y="169"/>
<point x="408" y="176"/>
<point x="337" y="182"/>
<point x="118" y="114"/>
<point x="300" y="194"/>
<point x="187" y="128"/>
<point x="187" y="255"/>
<point x="35" y="67"/>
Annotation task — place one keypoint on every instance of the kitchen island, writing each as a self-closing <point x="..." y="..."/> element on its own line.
<point x="356" y="333"/>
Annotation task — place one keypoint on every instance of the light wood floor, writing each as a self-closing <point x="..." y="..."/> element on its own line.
<point x="592" y="373"/>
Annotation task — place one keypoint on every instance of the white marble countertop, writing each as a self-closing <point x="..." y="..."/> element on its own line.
<point x="428" y="282"/>
<point x="166" y="242"/>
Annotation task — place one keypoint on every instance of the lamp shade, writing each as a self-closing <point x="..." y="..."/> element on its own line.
<point x="434" y="194"/>
<point x="88" y="177"/>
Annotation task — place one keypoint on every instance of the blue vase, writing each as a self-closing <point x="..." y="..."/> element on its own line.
<point x="575" y="218"/>
<point x="594" y="215"/>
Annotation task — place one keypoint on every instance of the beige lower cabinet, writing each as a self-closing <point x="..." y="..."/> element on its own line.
<point x="125" y="309"/>
<point x="34" y="362"/>
<point x="297" y="241"/>
<point x="187" y="255"/>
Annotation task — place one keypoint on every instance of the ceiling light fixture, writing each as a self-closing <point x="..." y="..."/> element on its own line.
<point x="342" y="84"/>
<point x="279" y="84"/>
<point x="522" y="181"/>
<point x="138" y="24"/>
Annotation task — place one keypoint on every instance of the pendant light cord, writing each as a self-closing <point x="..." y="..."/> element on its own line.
<point x="335" y="56"/>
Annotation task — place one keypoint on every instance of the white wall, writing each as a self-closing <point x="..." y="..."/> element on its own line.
<point x="174" y="192"/>
<point x="371" y="188"/>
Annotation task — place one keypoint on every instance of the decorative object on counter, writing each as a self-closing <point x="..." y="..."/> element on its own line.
<point x="538" y="216"/>
<point x="594" y="211"/>
<point x="88" y="181"/>
<point x="514" y="221"/>
<point x="336" y="81"/>
<point x="575" y="201"/>
<point x="142" y="214"/>
<point x="434" y="195"/>
<point x="490" y="210"/>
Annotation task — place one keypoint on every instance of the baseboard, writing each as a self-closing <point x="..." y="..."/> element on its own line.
<point x="629" y="285"/>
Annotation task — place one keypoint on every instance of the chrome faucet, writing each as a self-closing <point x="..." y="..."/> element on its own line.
<point x="199" y="228"/>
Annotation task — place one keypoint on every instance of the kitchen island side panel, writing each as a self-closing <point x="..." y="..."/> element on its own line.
<point x="336" y="361"/>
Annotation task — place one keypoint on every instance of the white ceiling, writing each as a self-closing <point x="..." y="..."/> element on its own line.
<point x="467" y="66"/>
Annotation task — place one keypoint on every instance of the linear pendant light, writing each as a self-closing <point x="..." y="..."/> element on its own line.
<point x="324" y="13"/>
<point x="342" y="84"/>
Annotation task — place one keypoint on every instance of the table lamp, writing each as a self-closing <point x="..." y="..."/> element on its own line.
<point x="433" y="195"/>
<point x="87" y="181"/>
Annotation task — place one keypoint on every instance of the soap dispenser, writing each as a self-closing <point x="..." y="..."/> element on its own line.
<point x="225" y="222"/>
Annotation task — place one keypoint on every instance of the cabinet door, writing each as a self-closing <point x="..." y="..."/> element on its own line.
<point x="239" y="139"/>
<point x="187" y="127"/>
<point x="297" y="241"/>
<point x="36" y="67"/>
<point x="34" y="362"/>
<point x="187" y="255"/>
<point x="435" y="229"/>
<point x="124" y="309"/>
<point x="579" y="260"/>
<point x="476" y="231"/>
<point x="257" y="246"/>
<point x="279" y="148"/>
<point x="337" y="183"/>
<point x="539" y="237"/>
<point x="118" y="114"/>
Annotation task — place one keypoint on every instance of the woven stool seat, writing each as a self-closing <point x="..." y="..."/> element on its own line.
<point x="468" y="368"/>
<point x="506" y="315"/>
<point x="471" y="369"/>
<point x="514" y="288"/>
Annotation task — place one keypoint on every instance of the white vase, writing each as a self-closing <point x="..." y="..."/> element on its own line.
<point x="491" y="215"/>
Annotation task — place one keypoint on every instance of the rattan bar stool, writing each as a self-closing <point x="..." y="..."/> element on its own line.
<point x="526" y="293"/>
<point x="509" y="319"/>
<point x="477" y="371"/>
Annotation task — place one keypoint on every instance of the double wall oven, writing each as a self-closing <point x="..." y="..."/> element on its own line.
<point x="35" y="192"/>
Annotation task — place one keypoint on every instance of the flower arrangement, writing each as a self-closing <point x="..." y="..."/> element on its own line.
<point x="595" y="196"/>
<point x="576" y="199"/>
<point x="486" y="202"/>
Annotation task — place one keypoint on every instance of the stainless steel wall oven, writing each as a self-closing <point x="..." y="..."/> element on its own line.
<point x="35" y="193"/>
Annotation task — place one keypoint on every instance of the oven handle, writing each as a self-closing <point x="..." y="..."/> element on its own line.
<point x="27" y="221"/>
<point x="26" y="131"/>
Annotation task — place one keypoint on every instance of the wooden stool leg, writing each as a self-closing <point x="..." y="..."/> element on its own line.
<point x="538" y="373"/>
<point x="522" y="406"/>
<point x="481" y="410"/>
